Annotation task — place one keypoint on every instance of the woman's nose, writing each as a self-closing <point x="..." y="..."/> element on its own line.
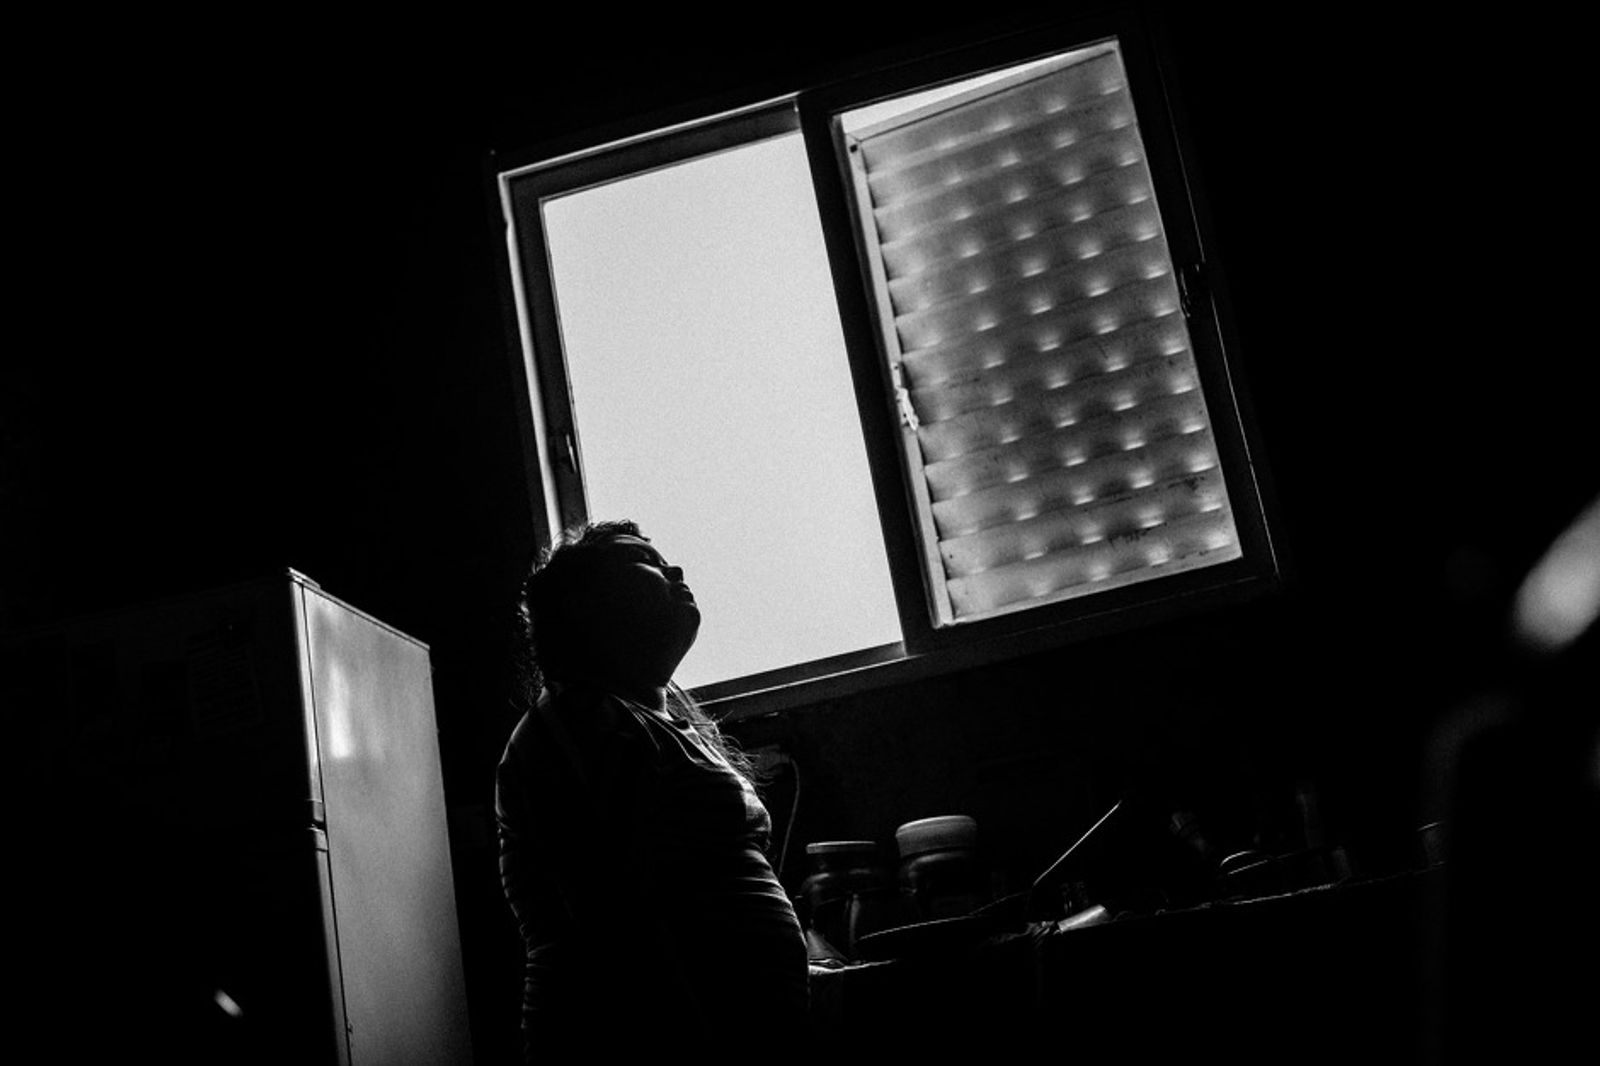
<point x="674" y="573"/>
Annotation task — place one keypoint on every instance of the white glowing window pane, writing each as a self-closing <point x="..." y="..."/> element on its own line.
<point x="672" y="286"/>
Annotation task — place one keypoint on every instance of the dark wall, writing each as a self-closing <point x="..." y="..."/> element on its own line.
<point x="261" y="325"/>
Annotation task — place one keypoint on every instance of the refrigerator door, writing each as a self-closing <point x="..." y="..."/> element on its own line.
<point x="182" y="903"/>
<point x="399" y="951"/>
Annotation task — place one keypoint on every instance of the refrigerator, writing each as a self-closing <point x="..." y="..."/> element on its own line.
<point x="234" y="846"/>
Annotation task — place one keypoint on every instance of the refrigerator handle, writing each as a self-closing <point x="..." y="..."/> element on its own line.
<point x="319" y="813"/>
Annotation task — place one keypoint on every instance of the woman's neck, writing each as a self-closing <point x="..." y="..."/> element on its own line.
<point x="651" y="697"/>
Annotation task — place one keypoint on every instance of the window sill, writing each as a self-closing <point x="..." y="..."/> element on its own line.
<point x="897" y="665"/>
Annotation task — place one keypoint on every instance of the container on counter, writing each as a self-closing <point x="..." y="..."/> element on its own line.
<point x="940" y="875"/>
<point x="849" y="894"/>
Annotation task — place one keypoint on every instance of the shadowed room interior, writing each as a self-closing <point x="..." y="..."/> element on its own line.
<point x="262" y="289"/>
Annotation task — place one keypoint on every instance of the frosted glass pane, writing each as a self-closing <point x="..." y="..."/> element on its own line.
<point x="714" y="405"/>
<point x="1032" y="315"/>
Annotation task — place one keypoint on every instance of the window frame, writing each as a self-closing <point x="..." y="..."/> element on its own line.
<point x="549" y="411"/>
<point x="546" y="416"/>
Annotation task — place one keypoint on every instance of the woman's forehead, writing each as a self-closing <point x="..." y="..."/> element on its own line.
<point x="628" y="542"/>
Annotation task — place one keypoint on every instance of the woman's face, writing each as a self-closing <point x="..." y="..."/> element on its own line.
<point x="645" y="616"/>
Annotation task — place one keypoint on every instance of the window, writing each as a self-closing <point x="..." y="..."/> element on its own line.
<point x="695" y="303"/>
<point x="941" y="338"/>
<point x="1053" y="429"/>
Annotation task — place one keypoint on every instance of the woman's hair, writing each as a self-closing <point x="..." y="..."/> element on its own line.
<point x="547" y="647"/>
<point x="552" y="648"/>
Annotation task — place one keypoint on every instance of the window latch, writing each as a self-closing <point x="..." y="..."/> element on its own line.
<point x="902" y="401"/>
<point x="1191" y="287"/>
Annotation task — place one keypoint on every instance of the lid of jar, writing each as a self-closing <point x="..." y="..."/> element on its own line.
<point x="841" y="847"/>
<point x="936" y="834"/>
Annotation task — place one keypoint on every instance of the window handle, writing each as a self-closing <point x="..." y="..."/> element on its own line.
<point x="908" y="413"/>
<point x="902" y="401"/>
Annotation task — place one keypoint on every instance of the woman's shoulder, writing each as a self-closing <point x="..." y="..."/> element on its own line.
<point x="592" y="717"/>
<point x="580" y="733"/>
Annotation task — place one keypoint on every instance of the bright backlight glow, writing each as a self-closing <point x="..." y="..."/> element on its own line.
<point x="1560" y="597"/>
<point x="714" y="403"/>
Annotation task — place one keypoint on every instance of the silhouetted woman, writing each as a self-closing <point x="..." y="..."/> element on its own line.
<point x="631" y="838"/>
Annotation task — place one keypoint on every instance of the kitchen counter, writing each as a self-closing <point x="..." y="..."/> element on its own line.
<point x="1323" y="974"/>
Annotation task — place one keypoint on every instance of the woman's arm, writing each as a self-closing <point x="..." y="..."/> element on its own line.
<point x="574" y="793"/>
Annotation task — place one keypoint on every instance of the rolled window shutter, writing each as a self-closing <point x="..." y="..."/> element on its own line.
<point x="1054" y="429"/>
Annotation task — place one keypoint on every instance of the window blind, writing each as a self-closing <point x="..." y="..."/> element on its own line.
<point x="1053" y="424"/>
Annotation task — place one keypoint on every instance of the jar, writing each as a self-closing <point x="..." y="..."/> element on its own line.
<point x="940" y="876"/>
<point x="849" y="893"/>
